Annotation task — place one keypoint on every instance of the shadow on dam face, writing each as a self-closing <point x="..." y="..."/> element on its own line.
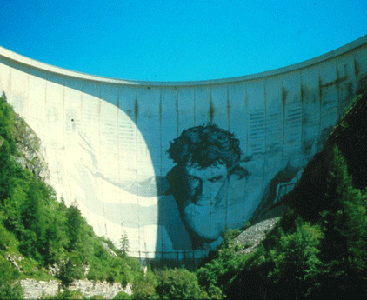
<point x="142" y="161"/>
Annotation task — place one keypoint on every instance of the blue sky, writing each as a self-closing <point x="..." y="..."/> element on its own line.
<point x="171" y="40"/>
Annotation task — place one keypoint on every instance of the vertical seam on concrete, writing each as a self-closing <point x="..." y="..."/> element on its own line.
<point x="211" y="121"/>
<point x="337" y="92"/>
<point x="63" y="112"/>
<point x="284" y="105"/>
<point x="100" y="154"/>
<point x="355" y="77"/>
<point x="247" y="121"/>
<point x="320" y="104"/>
<point x="160" y="227"/>
<point x="81" y="107"/>
<point x="160" y="131"/>
<point x="27" y="99"/>
<point x="45" y="100"/>
<point x="81" y="122"/>
<point x="10" y="94"/>
<point x="228" y="127"/>
<point x="356" y="68"/>
<point x="117" y="134"/>
<point x="283" y="121"/>
<point x="339" y="104"/>
<point x="118" y="158"/>
<point x="136" y="110"/>
<point x="177" y="114"/>
<point x="228" y="109"/>
<point x="26" y="114"/>
<point x="265" y="116"/>
<point x="265" y="122"/>
<point x="44" y="116"/>
<point x="302" y="118"/>
<point x="195" y="107"/>
<point x="211" y="108"/>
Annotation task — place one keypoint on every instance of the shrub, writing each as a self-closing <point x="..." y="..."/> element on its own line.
<point x="179" y="284"/>
<point x="9" y="288"/>
<point x="296" y="255"/>
<point x="144" y="286"/>
<point x="121" y="295"/>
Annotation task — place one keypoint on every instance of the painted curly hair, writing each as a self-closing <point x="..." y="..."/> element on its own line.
<point x="205" y="145"/>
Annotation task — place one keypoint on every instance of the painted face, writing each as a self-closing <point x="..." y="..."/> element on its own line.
<point x="205" y="209"/>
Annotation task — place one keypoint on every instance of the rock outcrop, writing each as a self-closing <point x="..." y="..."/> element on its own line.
<point x="34" y="289"/>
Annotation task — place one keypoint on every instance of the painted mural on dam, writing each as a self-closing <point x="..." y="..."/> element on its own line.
<point x="209" y="183"/>
<point x="210" y="188"/>
<point x="206" y="159"/>
<point x="171" y="165"/>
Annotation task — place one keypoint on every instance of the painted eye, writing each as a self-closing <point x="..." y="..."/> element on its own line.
<point x="193" y="179"/>
<point x="216" y="179"/>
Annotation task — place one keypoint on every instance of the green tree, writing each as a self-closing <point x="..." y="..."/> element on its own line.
<point x="355" y="229"/>
<point x="339" y="190"/>
<point x="144" y="286"/>
<point x="296" y="255"/>
<point x="12" y="211"/>
<point x="70" y="268"/>
<point x="6" y="170"/>
<point x="348" y="220"/>
<point x="178" y="284"/>
<point x="124" y="243"/>
<point x="74" y="227"/>
<point x="9" y="288"/>
<point x="31" y="210"/>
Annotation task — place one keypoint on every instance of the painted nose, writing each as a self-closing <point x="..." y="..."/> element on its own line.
<point x="205" y="189"/>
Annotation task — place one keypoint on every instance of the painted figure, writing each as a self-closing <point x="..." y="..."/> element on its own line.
<point x="206" y="158"/>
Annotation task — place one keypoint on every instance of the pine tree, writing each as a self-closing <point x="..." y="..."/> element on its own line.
<point x="74" y="226"/>
<point x="125" y="244"/>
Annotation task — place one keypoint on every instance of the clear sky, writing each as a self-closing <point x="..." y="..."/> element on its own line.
<point x="172" y="40"/>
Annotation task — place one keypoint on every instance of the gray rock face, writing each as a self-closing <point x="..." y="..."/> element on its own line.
<point x="34" y="289"/>
<point x="255" y="234"/>
<point x="31" y="153"/>
<point x="15" y="262"/>
<point x="112" y="253"/>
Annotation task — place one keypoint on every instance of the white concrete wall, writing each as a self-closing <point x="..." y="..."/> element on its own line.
<point x="105" y="140"/>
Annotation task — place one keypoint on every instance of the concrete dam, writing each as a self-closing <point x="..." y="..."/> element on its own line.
<point x="170" y="165"/>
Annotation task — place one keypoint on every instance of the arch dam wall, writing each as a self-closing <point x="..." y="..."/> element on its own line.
<point x="105" y="141"/>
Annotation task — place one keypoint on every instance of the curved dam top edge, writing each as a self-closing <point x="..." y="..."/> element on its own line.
<point x="31" y="63"/>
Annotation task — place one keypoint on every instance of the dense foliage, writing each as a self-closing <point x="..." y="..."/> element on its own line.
<point x="8" y="288"/>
